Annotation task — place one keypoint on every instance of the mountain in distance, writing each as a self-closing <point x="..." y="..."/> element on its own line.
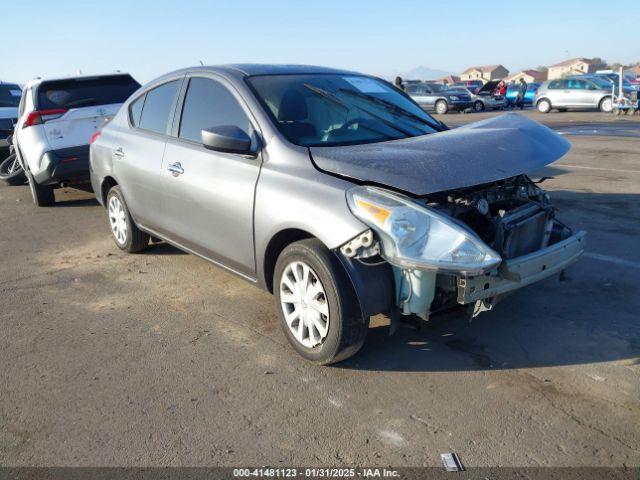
<point x="424" y="73"/>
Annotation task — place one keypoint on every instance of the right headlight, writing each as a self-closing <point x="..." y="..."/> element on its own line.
<point x="418" y="237"/>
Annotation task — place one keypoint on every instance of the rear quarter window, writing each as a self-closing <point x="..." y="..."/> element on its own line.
<point x="85" y="92"/>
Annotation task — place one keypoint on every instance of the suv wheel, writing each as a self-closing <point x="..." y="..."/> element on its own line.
<point x="442" y="107"/>
<point x="127" y="235"/>
<point x="478" y="106"/>
<point x="544" y="106"/>
<point x="42" y="194"/>
<point x="317" y="306"/>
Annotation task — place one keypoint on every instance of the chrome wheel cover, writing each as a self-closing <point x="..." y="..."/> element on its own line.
<point x="118" y="220"/>
<point x="607" y="105"/>
<point x="304" y="304"/>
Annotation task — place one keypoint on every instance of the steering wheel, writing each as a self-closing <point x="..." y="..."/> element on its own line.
<point x="351" y="122"/>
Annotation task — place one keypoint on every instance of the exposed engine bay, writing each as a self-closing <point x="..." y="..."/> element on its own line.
<point x="512" y="216"/>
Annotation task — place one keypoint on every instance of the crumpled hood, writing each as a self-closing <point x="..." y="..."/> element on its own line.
<point x="477" y="153"/>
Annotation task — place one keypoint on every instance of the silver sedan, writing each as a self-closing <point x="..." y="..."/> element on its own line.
<point x="335" y="192"/>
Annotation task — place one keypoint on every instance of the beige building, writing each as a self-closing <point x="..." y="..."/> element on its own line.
<point x="573" y="66"/>
<point x="529" y="76"/>
<point x="484" y="73"/>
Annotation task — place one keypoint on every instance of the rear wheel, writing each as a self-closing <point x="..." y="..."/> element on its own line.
<point x="478" y="106"/>
<point x="606" y="105"/>
<point x="42" y="194"/>
<point x="442" y="107"/>
<point x="544" y="106"/>
<point x="127" y="235"/>
<point x="11" y="171"/>
<point x="317" y="305"/>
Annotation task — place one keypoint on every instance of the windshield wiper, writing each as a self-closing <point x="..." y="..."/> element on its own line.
<point x="388" y="106"/>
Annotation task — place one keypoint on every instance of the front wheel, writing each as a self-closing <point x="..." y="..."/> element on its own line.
<point x="127" y="235"/>
<point x="606" y="105"/>
<point x="317" y="305"/>
<point x="544" y="106"/>
<point x="11" y="171"/>
<point x="478" y="106"/>
<point x="442" y="107"/>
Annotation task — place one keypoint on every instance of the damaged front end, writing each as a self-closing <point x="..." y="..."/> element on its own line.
<point x="469" y="246"/>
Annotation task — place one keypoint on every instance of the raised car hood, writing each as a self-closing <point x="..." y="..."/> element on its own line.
<point x="477" y="153"/>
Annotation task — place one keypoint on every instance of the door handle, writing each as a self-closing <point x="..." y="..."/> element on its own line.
<point x="118" y="152"/>
<point x="176" y="169"/>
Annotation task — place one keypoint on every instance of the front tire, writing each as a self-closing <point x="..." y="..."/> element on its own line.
<point x="478" y="106"/>
<point x="11" y="171"/>
<point x="442" y="107"/>
<point x="317" y="305"/>
<point x="126" y="234"/>
<point x="42" y="194"/>
<point x="544" y="106"/>
<point x="606" y="105"/>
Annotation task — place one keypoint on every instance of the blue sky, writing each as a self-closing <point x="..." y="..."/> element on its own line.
<point x="148" y="38"/>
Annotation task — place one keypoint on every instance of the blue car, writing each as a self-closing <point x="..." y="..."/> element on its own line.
<point x="529" y="97"/>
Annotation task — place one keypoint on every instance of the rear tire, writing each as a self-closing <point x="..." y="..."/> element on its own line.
<point x="11" y="171"/>
<point x="42" y="194"/>
<point x="442" y="107"/>
<point x="312" y="288"/>
<point x="125" y="232"/>
<point x="544" y="106"/>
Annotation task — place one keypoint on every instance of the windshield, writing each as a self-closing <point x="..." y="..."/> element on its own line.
<point x="85" y="92"/>
<point x="602" y="82"/>
<point x="457" y="90"/>
<point x="10" y="95"/>
<point x="330" y="110"/>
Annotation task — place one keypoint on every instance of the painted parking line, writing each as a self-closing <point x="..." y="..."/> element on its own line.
<point x="596" y="168"/>
<point x="616" y="260"/>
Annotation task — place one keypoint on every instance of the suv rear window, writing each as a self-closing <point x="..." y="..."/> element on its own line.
<point x="10" y="95"/>
<point x="85" y="92"/>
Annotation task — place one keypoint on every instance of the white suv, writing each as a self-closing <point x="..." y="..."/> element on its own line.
<point x="57" y="118"/>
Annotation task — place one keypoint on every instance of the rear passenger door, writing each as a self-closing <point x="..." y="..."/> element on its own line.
<point x="558" y="93"/>
<point x="137" y="155"/>
<point x="208" y="196"/>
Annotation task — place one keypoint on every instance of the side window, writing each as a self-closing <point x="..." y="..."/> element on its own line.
<point x="135" y="110"/>
<point x="558" y="84"/>
<point x="157" y="107"/>
<point x="209" y="104"/>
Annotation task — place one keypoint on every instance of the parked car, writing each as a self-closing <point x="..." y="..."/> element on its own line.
<point x="335" y="192"/>
<point x="472" y="85"/>
<point x="9" y="99"/>
<point x="433" y="96"/>
<point x="57" y="118"/>
<point x="529" y="96"/>
<point x="574" y="93"/>
<point x="484" y="98"/>
<point x="627" y="86"/>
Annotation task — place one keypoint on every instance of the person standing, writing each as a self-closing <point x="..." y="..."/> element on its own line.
<point x="522" y="91"/>
<point x="398" y="83"/>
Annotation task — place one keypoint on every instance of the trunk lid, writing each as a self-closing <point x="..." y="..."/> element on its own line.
<point x="474" y="154"/>
<point x="77" y="126"/>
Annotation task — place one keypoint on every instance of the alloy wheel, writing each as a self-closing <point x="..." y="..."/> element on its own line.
<point x="304" y="304"/>
<point x="118" y="220"/>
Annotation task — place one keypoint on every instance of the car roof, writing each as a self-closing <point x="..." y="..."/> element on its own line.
<point x="251" y="69"/>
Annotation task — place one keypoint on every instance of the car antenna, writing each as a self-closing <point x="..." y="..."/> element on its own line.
<point x="201" y="64"/>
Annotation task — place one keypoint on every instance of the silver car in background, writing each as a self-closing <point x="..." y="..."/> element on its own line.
<point x="484" y="97"/>
<point x="334" y="191"/>
<point x="574" y="93"/>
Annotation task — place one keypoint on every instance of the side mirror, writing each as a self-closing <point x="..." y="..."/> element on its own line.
<point x="227" y="138"/>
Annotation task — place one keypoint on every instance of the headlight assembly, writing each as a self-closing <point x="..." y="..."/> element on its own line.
<point x="418" y="237"/>
<point x="454" y="98"/>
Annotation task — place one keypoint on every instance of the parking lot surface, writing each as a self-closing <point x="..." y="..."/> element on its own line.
<point x="161" y="358"/>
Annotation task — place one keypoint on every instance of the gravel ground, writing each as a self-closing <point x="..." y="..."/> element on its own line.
<point x="163" y="359"/>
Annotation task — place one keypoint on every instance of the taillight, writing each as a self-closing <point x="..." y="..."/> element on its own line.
<point x="94" y="137"/>
<point x="41" y="116"/>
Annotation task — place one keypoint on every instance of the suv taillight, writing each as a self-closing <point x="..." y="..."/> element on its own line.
<point x="94" y="137"/>
<point x="41" y="116"/>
